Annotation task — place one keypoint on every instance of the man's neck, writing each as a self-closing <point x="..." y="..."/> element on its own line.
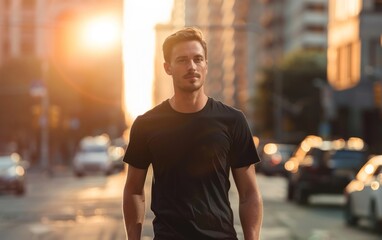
<point x="188" y="104"/>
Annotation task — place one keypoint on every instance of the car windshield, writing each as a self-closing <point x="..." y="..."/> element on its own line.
<point x="93" y="149"/>
<point x="6" y="161"/>
<point x="348" y="159"/>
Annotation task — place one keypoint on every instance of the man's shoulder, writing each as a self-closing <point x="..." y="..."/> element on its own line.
<point x="155" y="111"/>
<point x="225" y="108"/>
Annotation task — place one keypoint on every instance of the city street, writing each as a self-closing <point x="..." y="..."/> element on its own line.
<point x="65" y="207"/>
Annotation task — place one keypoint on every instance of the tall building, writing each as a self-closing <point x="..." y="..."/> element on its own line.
<point x="355" y="67"/>
<point x="290" y="25"/>
<point x="305" y="25"/>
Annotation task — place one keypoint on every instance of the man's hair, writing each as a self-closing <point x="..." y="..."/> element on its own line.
<point x="183" y="35"/>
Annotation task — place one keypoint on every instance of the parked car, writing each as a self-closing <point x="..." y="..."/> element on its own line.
<point x="325" y="169"/>
<point x="273" y="157"/>
<point x="116" y="153"/>
<point x="93" y="156"/>
<point x="12" y="173"/>
<point x="364" y="195"/>
<point x="309" y="141"/>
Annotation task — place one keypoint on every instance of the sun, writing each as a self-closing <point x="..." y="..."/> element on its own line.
<point x="101" y="33"/>
<point x="140" y="18"/>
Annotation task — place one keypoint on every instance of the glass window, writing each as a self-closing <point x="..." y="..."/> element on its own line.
<point x="348" y="159"/>
<point x="315" y="7"/>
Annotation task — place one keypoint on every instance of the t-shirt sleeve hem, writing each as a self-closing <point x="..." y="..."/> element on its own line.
<point x="134" y="164"/>
<point x="245" y="164"/>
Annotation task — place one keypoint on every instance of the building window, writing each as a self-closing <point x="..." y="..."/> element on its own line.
<point x="346" y="9"/>
<point x="7" y="4"/>
<point x="344" y="65"/>
<point x="6" y="49"/>
<point x="316" y="28"/>
<point x="28" y="42"/>
<point x="28" y="4"/>
<point x="315" y="7"/>
<point x="375" y="53"/>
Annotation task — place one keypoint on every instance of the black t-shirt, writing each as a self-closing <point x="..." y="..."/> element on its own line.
<point x="191" y="155"/>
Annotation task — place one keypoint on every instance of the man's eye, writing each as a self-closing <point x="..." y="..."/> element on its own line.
<point x="198" y="60"/>
<point x="181" y="60"/>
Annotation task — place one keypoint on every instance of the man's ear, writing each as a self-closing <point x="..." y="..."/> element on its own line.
<point x="167" y="68"/>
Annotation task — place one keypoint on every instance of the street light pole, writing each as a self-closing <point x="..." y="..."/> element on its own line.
<point x="44" y="121"/>
<point x="277" y="99"/>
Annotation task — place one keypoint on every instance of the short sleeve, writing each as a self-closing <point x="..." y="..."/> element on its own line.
<point x="244" y="151"/>
<point x="137" y="153"/>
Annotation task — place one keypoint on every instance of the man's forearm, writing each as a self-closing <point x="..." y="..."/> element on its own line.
<point x="251" y="216"/>
<point x="134" y="212"/>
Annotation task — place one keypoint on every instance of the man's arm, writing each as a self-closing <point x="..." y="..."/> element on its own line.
<point x="250" y="202"/>
<point x="134" y="202"/>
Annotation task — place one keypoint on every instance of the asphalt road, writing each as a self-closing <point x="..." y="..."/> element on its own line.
<point x="63" y="207"/>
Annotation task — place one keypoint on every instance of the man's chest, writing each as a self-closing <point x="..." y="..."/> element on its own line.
<point x="196" y="144"/>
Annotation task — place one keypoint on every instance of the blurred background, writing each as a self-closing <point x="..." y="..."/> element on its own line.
<point x="70" y="70"/>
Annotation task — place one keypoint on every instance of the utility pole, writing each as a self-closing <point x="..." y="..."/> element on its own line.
<point x="277" y="100"/>
<point x="44" y="121"/>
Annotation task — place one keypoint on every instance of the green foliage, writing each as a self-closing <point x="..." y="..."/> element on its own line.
<point x="298" y="73"/>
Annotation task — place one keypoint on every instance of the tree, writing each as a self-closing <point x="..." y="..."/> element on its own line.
<point x="299" y="96"/>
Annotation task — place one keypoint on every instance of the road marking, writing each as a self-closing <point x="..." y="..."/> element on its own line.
<point x="274" y="233"/>
<point x="286" y="220"/>
<point x="39" y="229"/>
<point x="319" y="234"/>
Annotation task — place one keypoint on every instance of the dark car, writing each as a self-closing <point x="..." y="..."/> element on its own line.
<point x="324" y="170"/>
<point x="12" y="173"/>
<point x="273" y="158"/>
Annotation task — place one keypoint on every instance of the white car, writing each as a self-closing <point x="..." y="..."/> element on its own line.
<point x="364" y="195"/>
<point x="93" y="155"/>
<point x="12" y="173"/>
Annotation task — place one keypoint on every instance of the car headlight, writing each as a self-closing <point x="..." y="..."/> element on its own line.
<point x="15" y="171"/>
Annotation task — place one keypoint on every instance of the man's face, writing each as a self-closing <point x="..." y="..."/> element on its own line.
<point x="188" y="66"/>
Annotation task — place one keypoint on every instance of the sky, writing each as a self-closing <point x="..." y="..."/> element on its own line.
<point x="140" y="18"/>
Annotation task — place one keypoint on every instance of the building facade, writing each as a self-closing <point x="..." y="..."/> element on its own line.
<point x="355" y="67"/>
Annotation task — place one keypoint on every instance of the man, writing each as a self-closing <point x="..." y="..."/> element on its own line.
<point x="192" y="142"/>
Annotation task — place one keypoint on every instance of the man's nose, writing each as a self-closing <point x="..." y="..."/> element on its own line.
<point x="191" y="64"/>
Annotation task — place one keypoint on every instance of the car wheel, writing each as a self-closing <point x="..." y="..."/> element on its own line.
<point x="350" y="218"/>
<point x="290" y="192"/>
<point x="20" y="191"/>
<point x="375" y="222"/>
<point x="79" y="174"/>
<point x="301" y="195"/>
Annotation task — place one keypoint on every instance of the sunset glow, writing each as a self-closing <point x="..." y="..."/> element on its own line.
<point x="101" y="32"/>
<point x="140" y="18"/>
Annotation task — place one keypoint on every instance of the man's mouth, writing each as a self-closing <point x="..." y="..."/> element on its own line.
<point x="191" y="75"/>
